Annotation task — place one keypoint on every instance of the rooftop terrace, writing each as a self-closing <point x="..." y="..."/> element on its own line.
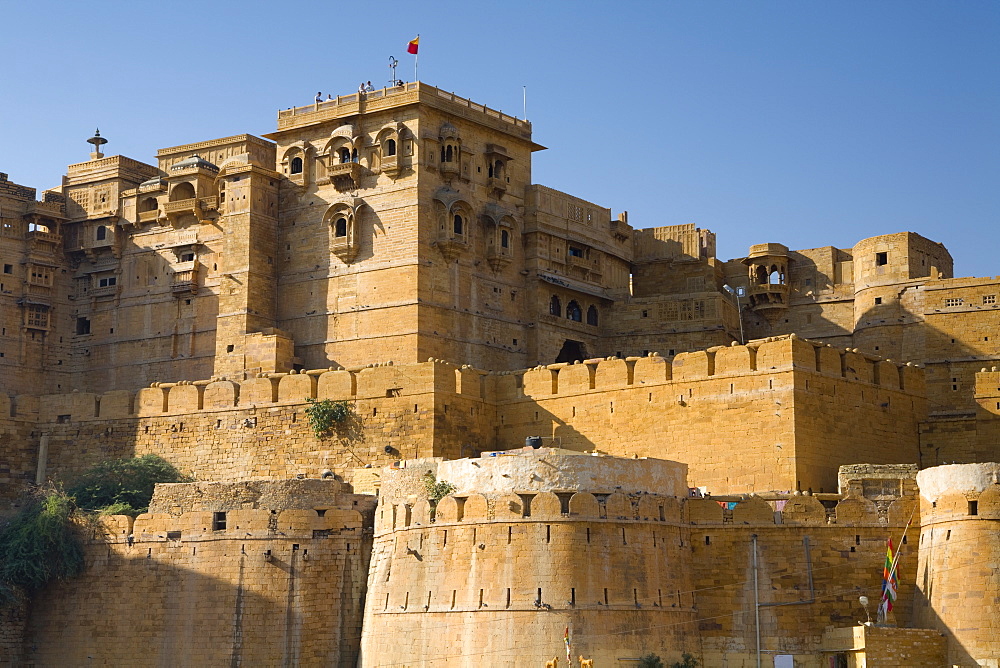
<point x="394" y="96"/>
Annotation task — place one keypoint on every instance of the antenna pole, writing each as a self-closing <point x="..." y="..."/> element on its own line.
<point x="525" y="102"/>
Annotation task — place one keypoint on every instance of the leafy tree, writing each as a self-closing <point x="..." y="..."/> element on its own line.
<point x="38" y="545"/>
<point x="123" y="486"/>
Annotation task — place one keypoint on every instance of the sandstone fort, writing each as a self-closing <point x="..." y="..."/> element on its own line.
<point x="718" y="449"/>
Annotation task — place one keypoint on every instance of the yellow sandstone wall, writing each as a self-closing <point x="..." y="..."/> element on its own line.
<point x="789" y="410"/>
<point x="958" y="584"/>
<point x="281" y="584"/>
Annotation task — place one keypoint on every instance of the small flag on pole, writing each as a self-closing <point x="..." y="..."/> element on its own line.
<point x="413" y="45"/>
<point x="889" y="581"/>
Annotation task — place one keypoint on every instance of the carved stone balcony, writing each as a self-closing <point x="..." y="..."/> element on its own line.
<point x="174" y="210"/>
<point x="184" y="279"/>
<point x="769" y="299"/>
<point x="451" y="247"/>
<point x="346" y="175"/>
<point x="194" y="206"/>
<point x="498" y="258"/>
<point x="496" y="186"/>
<point x="148" y="216"/>
<point x="106" y="291"/>
<point x="449" y="168"/>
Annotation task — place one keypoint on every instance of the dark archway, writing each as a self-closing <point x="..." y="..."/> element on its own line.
<point x="572" y="351"/>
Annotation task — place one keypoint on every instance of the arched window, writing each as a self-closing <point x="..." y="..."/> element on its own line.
<point x="760" y="275"/>
<point x="776" y="277"/>
<point x="498" y="169"/>
<point x="148" y="204"/>
<point x="458" y="224"/>
<point x="102" y="233"/>
<point x="555" y="308"/>
<point x="345" y="156"/>
<point x="504" y="239"/>
<point x="340" y="227"/>
<point x="592" y="316"/>
<point x="448" y="154"/>
<point x="182" y="191"/>
<point x="489" y="170"/>
<point x="354" y="155"/>
<point x="296" y="165"/>
<point x="390" y="147"/>
<point x="442" y="154"/>
<point x="573" y="311"/>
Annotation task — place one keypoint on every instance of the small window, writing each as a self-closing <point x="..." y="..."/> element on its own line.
<point x="955" y="301"/>
<point x="592" y="316"/>
<point x="555" y="308"/>
<point x="575" y="252"/>
<point x="340" y="227"/>
<point x="296" y="165"/>
<point x="107" y="281"/>
<point x="82" y="326"/>
<point x="504" y="239"/>
<point x="187" y="257"/>
<point x="218" y="521"/>
<point x="449" y="155"/>
<point x="38" y="316"/>
<point x="973" y="507"/>
<point x="645" y="313"/>
<point x="390" y="147"/>
<point x="987" y="299"/>
<point x="878" y="300"/>
<point x="573" y="312"/>
<point x="458" y="224"/>
<point x="8" y="269"/>
<point x="102" y="232"/>
<point x="881" y="259"/>
<point x="345" y="156"/>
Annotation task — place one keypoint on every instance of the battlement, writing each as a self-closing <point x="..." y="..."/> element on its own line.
<point x="766" y="356"/>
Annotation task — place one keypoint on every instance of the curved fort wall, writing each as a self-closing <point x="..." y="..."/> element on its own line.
<point x="542" y="541"/>
<point x="623" y="559"/>
<point x="957" y="578"/>
<point x="789" y="409"/>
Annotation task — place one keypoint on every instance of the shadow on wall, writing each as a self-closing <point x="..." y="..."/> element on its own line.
<point x="135" y="607"/>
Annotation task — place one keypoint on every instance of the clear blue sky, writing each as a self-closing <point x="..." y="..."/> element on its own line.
<point x="808" y="123"/>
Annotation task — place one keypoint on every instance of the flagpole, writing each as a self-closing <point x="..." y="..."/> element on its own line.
<point x="884" y="612"/>
<point x="416" y="57"/>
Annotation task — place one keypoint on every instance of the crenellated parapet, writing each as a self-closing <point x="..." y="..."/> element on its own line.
<point x="764" y="356"/>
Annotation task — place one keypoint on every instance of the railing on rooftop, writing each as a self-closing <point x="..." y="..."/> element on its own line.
<point x="388" y="92"/>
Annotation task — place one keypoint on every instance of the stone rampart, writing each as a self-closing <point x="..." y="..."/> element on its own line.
<point x="621" y="560"/>
<point x="956" y="576"/>
<point x="789" y="409"/>
<point x="256" y="574"/>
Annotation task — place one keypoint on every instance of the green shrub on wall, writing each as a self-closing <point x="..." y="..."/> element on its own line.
<point x="325" y="415"/>
<point x="123" y="486"/>
<point x="38" y="545"/>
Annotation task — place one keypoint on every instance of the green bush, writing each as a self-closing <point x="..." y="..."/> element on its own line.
<point x="651" y="661"/>
<point x="687" y="661"/>
<point x="123" y="486"/>
<point x="324" y="415"/>
<point x="38" y="545"/>
<point x="437" y="489"/>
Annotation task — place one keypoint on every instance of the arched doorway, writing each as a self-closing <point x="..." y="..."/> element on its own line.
<point x="572" y="351"/>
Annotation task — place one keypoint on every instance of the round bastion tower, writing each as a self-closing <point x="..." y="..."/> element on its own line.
<point x="529" y="544"/>
<point x="958" y="582"/>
